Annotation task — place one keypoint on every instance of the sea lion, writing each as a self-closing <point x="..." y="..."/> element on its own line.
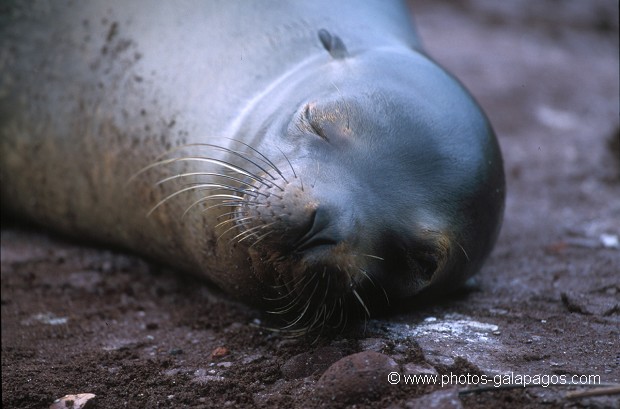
<point x="305" y="156"/>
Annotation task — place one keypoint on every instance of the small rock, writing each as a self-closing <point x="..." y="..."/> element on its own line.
<point x="590" y="305"/>
<point x="219" y="352"/>
<point x="310" y="363"/>
<point x="441" y="399"/>
<point x="356" y="377"/>
<point x="610" y="241"/>
<point x="79" y="401"/>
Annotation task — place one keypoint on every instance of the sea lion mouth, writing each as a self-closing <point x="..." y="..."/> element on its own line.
<point x="316" y="289"/>
<point x="316" y="301"/>
<point x="315" y="274"/>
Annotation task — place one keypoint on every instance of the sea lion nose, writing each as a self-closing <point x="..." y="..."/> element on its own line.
<point x="321" y="231"/>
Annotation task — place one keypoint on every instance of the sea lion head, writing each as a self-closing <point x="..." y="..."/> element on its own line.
<point x="381" y="178"/>
<point x="356" y="181"/>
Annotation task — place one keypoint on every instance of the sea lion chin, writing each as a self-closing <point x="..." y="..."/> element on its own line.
<point x="351" y="176"/>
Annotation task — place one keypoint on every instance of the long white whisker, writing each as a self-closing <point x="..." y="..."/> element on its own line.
<point x="187" y="189"/>
<point x="234" y="220"/>
<point x="303" y="313"/>
<point x="464" y="252"/>
<point x="218" y="162"/>
<point x="239" y="199"/>
<point x="252" y="234"/>
<point x="261" y="156"/>
<point x="367" y="275"/>
<point x="237" y="225"/>
<point x="258" y="239"/>
<point x="187" y="174"/>
<point x="370" y="256"/>
<point x="355" y="293"/>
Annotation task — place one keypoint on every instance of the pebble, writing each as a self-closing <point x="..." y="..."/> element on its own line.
<point x="78" y="401"/>
<point x="588" y="305"/>
<point x="356" y="377"/>
<point x="310" y="363"/>
<point x="219" y="352"/>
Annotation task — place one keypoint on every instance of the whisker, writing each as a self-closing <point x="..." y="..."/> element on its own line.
<point x="367" y="275"/>
<point x="370" y="256"/>
<point x="322" y="302"/>
<point x="292" y="283"/>
<point x="346" y="318"/>
<point x="320" y="313"/>
<point x="229" y="229"/>
<point x="290" y="306"/>
<point x="258" y="240"/>
<point x="303" y="313"/>
<point x="464" y="252"/>
<point x="233" y="213"/>
<point x="331" y="312"/>
<point x="261" y="155"/>
<point x="235" y="220"/>
<point x="250" y="232"/>
<point x="187" y="189"/>
<point x="211" y="197"/>
<point x="356" y="294"/>
<point x="296" y="299"/>
<point x="187" y="174"/>
<point x="241" y="155"/>
<point x="289" y="164"/>
<point x="214" y="161"/>
<point x="341" y="309"/>
<point x="234" y="203"/>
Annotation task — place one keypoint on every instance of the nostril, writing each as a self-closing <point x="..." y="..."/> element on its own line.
<point x="318" y="233"/>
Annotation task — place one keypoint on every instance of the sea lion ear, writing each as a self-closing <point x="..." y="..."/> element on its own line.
<point x="333" y="44"/>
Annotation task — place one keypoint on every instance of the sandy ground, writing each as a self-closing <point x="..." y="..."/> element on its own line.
<point x="83" y="319"/>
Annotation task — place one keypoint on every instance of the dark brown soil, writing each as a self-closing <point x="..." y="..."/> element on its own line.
<point x="83" y="319"/>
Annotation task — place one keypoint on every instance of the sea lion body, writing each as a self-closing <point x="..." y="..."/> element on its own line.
<point x="305" y="149"/>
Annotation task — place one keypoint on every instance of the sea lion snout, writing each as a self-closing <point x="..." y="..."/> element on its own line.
<point x="316" y="250"/>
